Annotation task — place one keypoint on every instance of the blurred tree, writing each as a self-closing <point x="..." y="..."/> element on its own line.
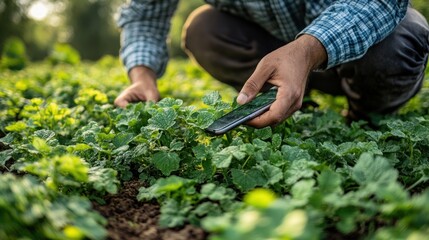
<point x="39" y="38"/>
<point x="13" y="19"/>
<point x="92" y="30"/>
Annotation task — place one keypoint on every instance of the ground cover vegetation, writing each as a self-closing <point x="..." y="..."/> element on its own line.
<point x="64" y="148"/>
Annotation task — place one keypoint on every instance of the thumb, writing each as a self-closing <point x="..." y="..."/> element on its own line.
<point x="253" y="85"/>
<point x="121" y="102"/>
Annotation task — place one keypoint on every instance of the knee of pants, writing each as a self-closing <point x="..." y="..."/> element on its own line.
<point x="202" y="42"/>
<point x="391" y="72"/>
<point x="195" y="30"/>
<point x="227" y="46"/>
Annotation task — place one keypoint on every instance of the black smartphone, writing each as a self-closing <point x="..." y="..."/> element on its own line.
<point x="244" y="113"/>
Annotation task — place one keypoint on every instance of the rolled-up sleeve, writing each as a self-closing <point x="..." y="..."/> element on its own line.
<point x="145" y="25"/>
<point x="348" y="28"/>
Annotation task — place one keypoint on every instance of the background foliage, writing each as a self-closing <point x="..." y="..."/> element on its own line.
<point x="89" y="26"/>
<point x="422" y="6"/>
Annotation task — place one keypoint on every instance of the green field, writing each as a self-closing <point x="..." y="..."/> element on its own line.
<point x="64" y="146"/>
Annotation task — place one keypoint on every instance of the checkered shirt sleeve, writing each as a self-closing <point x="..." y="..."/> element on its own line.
<point x="347" y="28"/>
<point x="145" y="25"/>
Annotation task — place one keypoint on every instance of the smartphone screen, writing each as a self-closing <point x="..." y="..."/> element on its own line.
<point x="244" y="113"/>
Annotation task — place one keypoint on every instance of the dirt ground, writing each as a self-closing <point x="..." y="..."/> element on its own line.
<point x="131" y="219"/>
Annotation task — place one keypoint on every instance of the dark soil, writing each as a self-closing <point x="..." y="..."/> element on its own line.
<point x="131" y="219"/>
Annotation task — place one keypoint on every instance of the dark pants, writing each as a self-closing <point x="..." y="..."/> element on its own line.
<point x="389" y="74"/>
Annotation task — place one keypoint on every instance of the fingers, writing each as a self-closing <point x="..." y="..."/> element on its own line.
<point x="123" y="99"/>
<point x="143" y="87"/>
<point x="287" y="68"/>
<point x="135" y="93"/>
<point x="284" y="106"/>
<point x="120" y="102"/>
<point x="254" y="84"/>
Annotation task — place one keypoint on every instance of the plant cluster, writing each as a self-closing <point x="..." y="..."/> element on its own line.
<point x="312" y="176"/>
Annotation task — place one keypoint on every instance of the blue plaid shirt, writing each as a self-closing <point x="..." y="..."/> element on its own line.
<point x="346" y="28"/>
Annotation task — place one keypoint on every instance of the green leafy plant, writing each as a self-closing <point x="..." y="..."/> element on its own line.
<point x="29" y="209"/>
<point x="13" y="56"/>
<point x="312" y="176"/>
<point x="64" y="53"/>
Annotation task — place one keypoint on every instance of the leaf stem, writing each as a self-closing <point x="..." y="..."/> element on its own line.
<point x="422" y="179"/>
<point x="245" y="162"/>
<point x="411" y="147"/>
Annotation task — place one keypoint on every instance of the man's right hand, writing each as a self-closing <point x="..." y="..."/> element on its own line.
<point x="143" y="87"/>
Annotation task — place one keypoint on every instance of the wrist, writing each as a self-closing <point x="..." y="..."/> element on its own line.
<point x="142" y="74"/>
<point x="313" y="50"/>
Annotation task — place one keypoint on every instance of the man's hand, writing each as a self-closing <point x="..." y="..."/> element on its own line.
<point x="287" y="68"/>
<point x="143" y="87"/>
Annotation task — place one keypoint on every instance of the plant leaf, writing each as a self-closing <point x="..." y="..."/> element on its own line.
<point x="163" y="118"/>
<point x="246" y="180"/>
<point x="370" y="169"/>
<point x="122" y="139"/>
<point x="299" y="169"/>
<point x="5" y="156"/>
<point x="166" y="162"/>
